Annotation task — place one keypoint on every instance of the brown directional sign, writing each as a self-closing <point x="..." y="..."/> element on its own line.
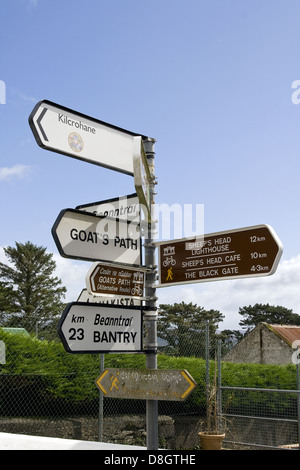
<point x="105" y="279"/>
<point x="146" y="384"/>
<point x="245" y="252"/>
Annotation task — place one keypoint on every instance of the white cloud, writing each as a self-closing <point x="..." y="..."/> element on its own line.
<point x="30" y="99"/>
<point x="16" y="171"/>
<point x="72" y="274"/>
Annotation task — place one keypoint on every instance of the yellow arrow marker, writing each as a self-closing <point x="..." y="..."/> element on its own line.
<point x="98" y="381"/>
<point x="190" y="381"/>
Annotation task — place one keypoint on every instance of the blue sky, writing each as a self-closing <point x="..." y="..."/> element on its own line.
<point x="210" y="80"/>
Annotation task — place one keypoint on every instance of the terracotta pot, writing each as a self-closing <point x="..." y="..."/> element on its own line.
<point x="210" y="441"/>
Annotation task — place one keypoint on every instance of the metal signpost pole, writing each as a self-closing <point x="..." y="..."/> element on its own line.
<point x="101" y="402"/>
<point x="151" y="316"/>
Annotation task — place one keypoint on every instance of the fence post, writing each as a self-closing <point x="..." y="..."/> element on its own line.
<point x="207" y="344"/>
<point x="2" y="353"/>
<point x="219" y="390"/>
<point x="101" y="399"/>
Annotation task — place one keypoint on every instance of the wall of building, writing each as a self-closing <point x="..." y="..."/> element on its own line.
<point x="260" y="346"/>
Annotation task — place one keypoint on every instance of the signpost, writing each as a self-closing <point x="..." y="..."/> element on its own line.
<point x="242" y="253"/>
<point x="171" y="385"/>
<point x="85" y="236"/>
<point x="93" y="328"/>
<point x="76" y="135"/>
<point x="105" y="279"/>
<point x="109" y="232"/>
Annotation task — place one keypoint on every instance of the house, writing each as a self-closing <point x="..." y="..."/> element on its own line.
<point x="266" y="344"/>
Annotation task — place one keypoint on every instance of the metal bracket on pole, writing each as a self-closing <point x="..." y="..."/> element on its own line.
<point x="149" y="245"/>
<point x="150" y="347"/>
<point x="150" y="298"/>
<point x="150" y="314"/>
<point x="144" y="226"/>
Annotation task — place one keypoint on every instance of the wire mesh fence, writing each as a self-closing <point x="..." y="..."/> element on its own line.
<point x="45" y="391"/>
<point x="274" y="424"/>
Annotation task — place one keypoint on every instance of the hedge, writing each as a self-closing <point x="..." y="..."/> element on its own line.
<point x="45" y="368"/>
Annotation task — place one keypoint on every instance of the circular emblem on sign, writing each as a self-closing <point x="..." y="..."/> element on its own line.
<point x="75" y="142"/>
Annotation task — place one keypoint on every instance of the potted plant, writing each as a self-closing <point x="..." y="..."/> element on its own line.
<point x="212" y="437"/>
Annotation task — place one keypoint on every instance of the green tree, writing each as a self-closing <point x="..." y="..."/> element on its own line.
<point x="7" y="301"/>
<point x="252" y="315"/>
<point x="182" y="328"/>
<point x="30" y="296"/>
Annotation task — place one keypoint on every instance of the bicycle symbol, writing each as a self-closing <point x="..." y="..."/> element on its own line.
<point x="137" y="290"/>
<point x="169" y="261"/>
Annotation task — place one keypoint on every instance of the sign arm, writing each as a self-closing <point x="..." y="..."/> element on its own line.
<point x="74" y="134"/>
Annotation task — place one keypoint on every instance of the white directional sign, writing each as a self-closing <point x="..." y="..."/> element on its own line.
<point x="76" y="135"/>
<point x="85" y="236"/>
<point x="122" y="300"/>
<point x="93" y="328"/>
<point x="125" y="208"/>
